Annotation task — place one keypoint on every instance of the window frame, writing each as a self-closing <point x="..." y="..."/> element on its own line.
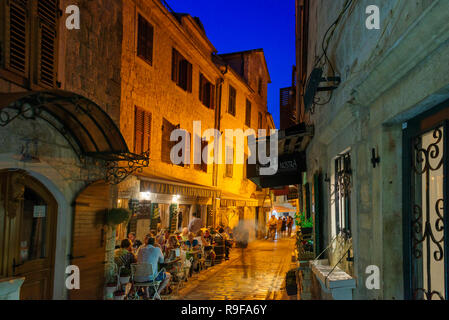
<point x="149" y="26"/>
<point x="182" y="69"/>
<point x="232" y="100"/>
<point x="248" y="114"/>
<point x="40" y="47"/>
<point x="144" y="132"/>
<point x="206" y="92"/>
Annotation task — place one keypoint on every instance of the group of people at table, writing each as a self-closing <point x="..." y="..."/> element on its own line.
<point x="164" y="249"/>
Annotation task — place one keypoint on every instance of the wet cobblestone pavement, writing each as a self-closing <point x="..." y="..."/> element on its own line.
<point x="255" y="273"/>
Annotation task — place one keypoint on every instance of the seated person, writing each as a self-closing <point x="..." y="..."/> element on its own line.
<point x="185" y="235"/>
<point x="172" y="244"/>
<point x="208" y="237"/>
<point x="172" y="256"/>
<point x="201" y="240"/>
<point x="191" y="243"/>
<point x="152" y="255"/>
<point x="134" y="242"/>
<point x="123" y="257"/>
<point x="227" y="243"/>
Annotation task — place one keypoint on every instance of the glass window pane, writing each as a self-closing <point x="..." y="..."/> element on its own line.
<point x="32" y="238"/>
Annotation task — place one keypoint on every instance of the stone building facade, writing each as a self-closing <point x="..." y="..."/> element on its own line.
<point x="375" y="138"/>
<point x="62" y="76"/>
<point x="82" y="109"/>
<point x="148" y="84"/>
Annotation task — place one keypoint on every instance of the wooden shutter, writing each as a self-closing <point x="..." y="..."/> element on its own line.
<point x="248" y="113"/>
<point x="138" y="130"/>
<point x="212" y="96"/>
<point x="142" y="131"/>
<point x="88" y="242"/>
<point x="232" y="100"/>
<point x="201" y="90"/>
<point x="47" y="21"/>
<point x="166" y="146"/>
<point x="17" y="36"/>
<point x="204" y="146"/>
<point x="147" y="132"/>
<point x="145" y="40"/>
<point x="175" y="66"/>
<point x="189" y="77"/>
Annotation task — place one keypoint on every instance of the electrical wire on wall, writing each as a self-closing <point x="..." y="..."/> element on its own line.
<point x="323" y="59"/>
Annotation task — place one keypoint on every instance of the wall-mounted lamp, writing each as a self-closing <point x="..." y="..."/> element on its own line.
<point x="175" y="198"/>
<point x="326" y="178"/>
<point x="374" y="160"/>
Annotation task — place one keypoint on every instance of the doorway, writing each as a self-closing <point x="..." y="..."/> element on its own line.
<point x="425" y="213"/>
<point x="28" y="213"/>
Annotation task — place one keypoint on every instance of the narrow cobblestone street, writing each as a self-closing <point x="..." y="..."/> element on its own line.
<point x="256" y="273"/>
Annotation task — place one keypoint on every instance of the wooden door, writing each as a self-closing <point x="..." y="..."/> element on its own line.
<point x="88" y="242"/>
<point x="28" y="232"/>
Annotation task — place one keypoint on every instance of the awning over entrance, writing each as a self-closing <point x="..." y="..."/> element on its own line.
<point x="158" y="184"/>
<point x="291" y="159"/>
<point x="233" y="200"/>
<point x="87" y="127"/>
<point x="283" y="209"/>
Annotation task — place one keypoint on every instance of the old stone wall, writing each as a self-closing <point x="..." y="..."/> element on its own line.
<point x="388" y="76"/>
<point x="150" y="86"/>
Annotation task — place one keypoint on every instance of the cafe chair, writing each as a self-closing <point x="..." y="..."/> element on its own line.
<point x="145" y="270"/>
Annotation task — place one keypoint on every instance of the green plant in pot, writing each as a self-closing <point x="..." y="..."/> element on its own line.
<point x="117" y="216"/>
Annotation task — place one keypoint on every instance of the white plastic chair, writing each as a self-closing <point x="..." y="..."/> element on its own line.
<point x="145" y="270"/>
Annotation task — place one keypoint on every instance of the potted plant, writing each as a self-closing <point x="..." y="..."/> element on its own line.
<point x="125" y="274"/>
<point x="119" y="295"/>
<point x="117" y="216"/>
<point x="290" y="283"/>
<point x="111" y="286"/>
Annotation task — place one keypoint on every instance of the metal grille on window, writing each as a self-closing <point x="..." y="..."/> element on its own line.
<point x="428" y="245"/>
<point x="343" y="182"/>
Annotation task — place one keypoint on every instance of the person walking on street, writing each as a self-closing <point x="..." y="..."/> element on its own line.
<point x="289" y="226"/>
<point x="279" y="228"/>
<point x="272" y="225"/>
<point x="284" y="226"/>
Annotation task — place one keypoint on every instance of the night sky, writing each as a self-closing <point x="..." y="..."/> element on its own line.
<point x="237" y="25"/>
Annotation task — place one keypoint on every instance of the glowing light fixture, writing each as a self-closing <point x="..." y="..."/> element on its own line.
<point x="145" y="195"/>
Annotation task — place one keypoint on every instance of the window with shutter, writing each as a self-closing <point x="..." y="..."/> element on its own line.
<point x="17" y="37"/>
<point x="207" y="92"/>
<point x="259" y="121"/>
<point x="232" y="100"/>
<point x="142" y="130"/>
<point x="203" y="165"/>
<point x="181" y="71"/>
<point x="229" y="162"/>
<point x="30" y="43"/>
<point x="138" y="130"/>
<point x="48" y="14"/>
<point x="167" y="145"/>
<point x="248" y="113"/>
<point x="145" y="37"/>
